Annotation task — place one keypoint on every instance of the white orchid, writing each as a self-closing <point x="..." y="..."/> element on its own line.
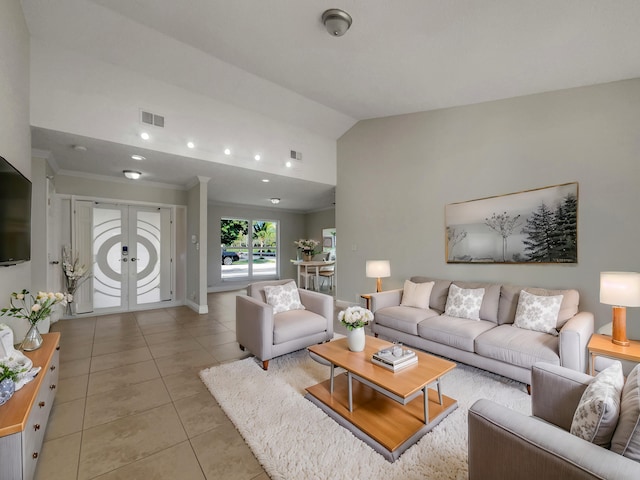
<point x="33" y="308"/>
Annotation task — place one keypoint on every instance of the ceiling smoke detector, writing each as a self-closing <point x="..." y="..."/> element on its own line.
<point x="336" y="21"/>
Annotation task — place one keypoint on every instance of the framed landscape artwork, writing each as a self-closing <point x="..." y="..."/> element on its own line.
<point x="535" y="226"/>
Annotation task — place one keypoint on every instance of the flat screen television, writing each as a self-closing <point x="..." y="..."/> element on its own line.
<point x="15" y="215"/>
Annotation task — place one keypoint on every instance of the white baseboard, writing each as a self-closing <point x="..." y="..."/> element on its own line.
<point x="201" y="309"/>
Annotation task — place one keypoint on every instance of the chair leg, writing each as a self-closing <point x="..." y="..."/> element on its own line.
<point x="265" y="364"/>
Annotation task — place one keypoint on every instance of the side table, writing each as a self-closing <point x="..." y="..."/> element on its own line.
<point x="367" y="299"/>
<point x="601" y="345"/>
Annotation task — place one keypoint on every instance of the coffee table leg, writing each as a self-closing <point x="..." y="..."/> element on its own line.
<point x="425" y="396"/>
<point x="439" y="392"/>
<point x="350" y="393"/>
<point x="331" y="389"/>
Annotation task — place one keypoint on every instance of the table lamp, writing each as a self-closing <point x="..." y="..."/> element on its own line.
<point x="620" y="289"/>
<point x="378" y="269"/>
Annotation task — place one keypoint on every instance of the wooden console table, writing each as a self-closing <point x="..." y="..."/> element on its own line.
<point x="601" y="345"/>
<point x="23" y="419"/>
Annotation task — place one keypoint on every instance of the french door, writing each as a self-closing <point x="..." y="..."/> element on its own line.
<point x="132" y="253"/>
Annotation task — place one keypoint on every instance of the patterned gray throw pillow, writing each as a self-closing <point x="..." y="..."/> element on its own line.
<point x="538" y="313"/>
<point x="597" y="414"/>
<point x="464" y="302"/>
<point x="283" y="297"/>
<point x="626" y="439"/>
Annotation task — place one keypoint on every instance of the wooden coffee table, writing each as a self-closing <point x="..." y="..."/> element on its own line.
<point x="388" y="410"/>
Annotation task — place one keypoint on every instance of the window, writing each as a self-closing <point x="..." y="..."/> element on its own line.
<point x="249" y="249"/>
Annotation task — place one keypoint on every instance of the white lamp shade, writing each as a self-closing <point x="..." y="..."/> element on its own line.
<point x="620" y="288"/>
<point x="378" y="268"/>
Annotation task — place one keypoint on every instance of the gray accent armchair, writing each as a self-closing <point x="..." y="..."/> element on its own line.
<point x="506" y="444"/>
<point x="268" y="336"/>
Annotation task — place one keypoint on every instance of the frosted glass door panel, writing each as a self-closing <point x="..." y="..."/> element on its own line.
<point x="148" y="259"/>
<point x="107" y="248"/>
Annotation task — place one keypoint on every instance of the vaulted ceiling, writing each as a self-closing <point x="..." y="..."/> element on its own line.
<point x="276" y="59"/>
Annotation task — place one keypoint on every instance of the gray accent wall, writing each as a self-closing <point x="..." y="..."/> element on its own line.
<point x="396" y="174"/>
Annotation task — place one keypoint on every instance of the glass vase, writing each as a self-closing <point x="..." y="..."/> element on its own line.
<point x="32" y="340"/>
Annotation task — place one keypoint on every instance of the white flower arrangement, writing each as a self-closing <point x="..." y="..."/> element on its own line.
<point x="307" y="245"/>
<point x="355" y="317"/>
<point x="33" y="308"/>
<point x="74" y="272"/>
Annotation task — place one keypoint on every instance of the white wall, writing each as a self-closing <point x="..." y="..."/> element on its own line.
<point x="15" y="136"/>
<point x="74" y="93"/>
<point x="396" y="174"/>
<point x="197" y="252"/>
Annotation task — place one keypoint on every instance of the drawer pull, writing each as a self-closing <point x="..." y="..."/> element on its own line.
<point x="58" y="347"/>
<point x="53" y="367"/>
<point x="41" y="404"/>
<point x="52" y="387"/>
<point x="36" y="427"/>
<point x="35" y="455"/>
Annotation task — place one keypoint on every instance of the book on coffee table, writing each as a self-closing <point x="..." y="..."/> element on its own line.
<point x="394" y="358"/>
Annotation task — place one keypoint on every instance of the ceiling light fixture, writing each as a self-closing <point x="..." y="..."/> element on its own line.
<point x="288" y="164"/>
<point x="275" y="201"/>
<point x="138" y="157"/>
<point x="145" y="136"/>
<point x="227" y="151"/>
<point x="336" y="21"/>
<point x="265" y="180"/>
<point x="191" y="145"/>
<point x="80" y="148"/>
<point x="257" y="157"/>
<point x="132" y="174"/>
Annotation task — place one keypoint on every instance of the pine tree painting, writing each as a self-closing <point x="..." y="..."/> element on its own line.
<point x="534" y="226"/>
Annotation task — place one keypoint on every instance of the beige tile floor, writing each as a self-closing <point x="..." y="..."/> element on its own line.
<point x="130" y="404"/>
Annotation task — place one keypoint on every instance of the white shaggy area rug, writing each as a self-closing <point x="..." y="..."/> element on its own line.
<point x="294" y="439"/>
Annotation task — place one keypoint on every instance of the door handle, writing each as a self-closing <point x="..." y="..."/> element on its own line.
<point x="54" y="262"/>
<point x="133" y="259"/>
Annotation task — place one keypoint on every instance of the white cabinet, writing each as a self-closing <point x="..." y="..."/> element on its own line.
<point x="23" y="419"/>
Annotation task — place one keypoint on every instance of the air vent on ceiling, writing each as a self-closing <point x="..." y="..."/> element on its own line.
<point x="151" y="119"/>
<point x="296" y="155"/>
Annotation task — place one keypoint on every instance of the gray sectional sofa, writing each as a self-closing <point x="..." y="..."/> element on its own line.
<point x="492" y="343"/>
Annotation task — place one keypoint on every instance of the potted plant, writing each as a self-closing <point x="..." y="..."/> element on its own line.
<point x="355" y="318"/>
<point x="307" y="246"/>
<point x="33" y="309"/>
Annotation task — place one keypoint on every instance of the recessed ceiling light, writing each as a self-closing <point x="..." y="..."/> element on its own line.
<point x="265" y="180"/>
<point x="257" y="157"/>
<point x="80" y="148"/>
<point x="138" y="157"/>
<point x="288" y="164"/>
<point x="227" y="151"/>
<point x="191" y="145"/>
<point x="275" y="201"/>
<point x="132" y="174"/>
<point x="145" y="136"/>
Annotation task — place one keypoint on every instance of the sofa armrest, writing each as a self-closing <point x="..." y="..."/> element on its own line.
<point x="574" y="338"/>
<point x="321" y="304"/>
<point x="254" y="326"/>
<point x="506" y="444"/>
<point x="556" y="392"/>
<point x="390" y="298"/>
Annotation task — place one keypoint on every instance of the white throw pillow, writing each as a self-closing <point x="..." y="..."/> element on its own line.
<point x="416" y="294"/>
<point x="538" y="313"/>
<point x="283" y="297"/>
<point x="597" y="414"/>
<point x="464" y="302"/>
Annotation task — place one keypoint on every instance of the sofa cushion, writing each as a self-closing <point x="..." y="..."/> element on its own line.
<point x="509" y="295"/>
<point x="464" y="302"/>
<point x="439" y="292"/>
<point x="538" y="312"/>
<point x="517" y="346"/>
<point x="597" y="414"/>
<point x="453" y="331"/>
<point x="626" y="438"/>
<point x="404" y="319"/>
<point x="283" y="297"/>
<point x="490" y="300"/>
<point x="296" y="324"/>
<point x="416" y="294"/>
